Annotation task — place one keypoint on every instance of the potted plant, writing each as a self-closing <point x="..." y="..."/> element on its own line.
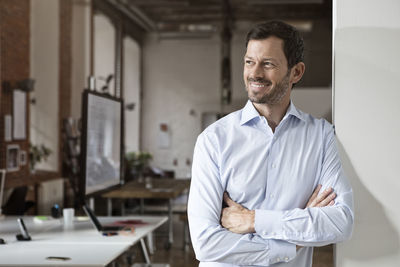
<point x="137" y="163"/>
<point x="37" y="154"/>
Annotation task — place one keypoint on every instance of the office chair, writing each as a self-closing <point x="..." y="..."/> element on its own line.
<point x="16" y="204"/>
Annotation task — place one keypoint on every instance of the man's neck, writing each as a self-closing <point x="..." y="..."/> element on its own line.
<point x="273" y="113"/>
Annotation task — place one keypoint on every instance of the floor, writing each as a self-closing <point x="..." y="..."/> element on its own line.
<point x="176" y="256"/>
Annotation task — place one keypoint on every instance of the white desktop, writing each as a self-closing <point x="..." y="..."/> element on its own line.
<point x="81" y="244"/>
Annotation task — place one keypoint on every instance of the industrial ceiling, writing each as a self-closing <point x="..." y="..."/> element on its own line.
<point x="207" y="16"/>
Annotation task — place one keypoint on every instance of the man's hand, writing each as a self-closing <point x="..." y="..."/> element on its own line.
<point x="326" y="198"/>
<point x="240" y="220"/>
<point x="237" y="218"/>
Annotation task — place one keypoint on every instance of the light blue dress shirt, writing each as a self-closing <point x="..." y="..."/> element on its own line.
<point x="273" y="173"/>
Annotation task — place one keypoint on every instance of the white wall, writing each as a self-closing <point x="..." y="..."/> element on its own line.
<point x="131" y="83"/>
<point x="81" y="23"/>
<point x="178" y="76"/>
<point x="44" y="69"/>
<point x="104" y="51"/>
<point x="366" y="109"/>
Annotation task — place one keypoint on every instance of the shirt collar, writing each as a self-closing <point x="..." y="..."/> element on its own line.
<point x="249" y="112"/>
<point x="292" y="110"/>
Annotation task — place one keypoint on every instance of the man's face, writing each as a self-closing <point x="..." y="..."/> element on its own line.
<point x="266" y="74"/>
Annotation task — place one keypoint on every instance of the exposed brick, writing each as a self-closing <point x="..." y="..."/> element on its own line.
<point x="14" y="66"/>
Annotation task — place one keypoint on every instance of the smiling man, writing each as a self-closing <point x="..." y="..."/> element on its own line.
<point x="276" y="169"/>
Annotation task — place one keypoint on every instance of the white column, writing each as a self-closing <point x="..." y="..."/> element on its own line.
<point x="366" y="109"/>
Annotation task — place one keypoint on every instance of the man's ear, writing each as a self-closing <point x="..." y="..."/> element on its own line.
<point x="297" y="72"/>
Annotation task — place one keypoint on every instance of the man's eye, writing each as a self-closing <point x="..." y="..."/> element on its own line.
<point x="268" y="64"/>
<point x="248" y="62"/>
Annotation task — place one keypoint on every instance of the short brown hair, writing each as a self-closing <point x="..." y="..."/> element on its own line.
<point x="293" y="44"/>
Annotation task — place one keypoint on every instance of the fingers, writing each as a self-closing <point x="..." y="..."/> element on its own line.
<point x="322" y="199"/>
<point x="316" y="192"/>
<point x="324" y="194"/>
<point x="327" y="201"/>
<point x="312" y="200"/>
<point x="228" y="201"/>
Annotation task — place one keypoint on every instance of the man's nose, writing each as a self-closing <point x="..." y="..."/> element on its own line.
<point x="257" y="72"/>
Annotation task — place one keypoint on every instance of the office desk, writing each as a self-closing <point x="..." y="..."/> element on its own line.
<point x="81" y="244"/>
<point x="155" y="188"/>
<point x="46" y="254"/>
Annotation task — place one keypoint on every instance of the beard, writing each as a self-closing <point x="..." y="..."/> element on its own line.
<point x="272" y="96"/>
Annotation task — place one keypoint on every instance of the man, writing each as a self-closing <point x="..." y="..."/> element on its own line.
<point x="265" y="161"/>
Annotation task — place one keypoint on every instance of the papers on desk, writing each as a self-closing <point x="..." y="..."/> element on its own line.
<point x="128" y="227"/>
<point x="82" y="218"/>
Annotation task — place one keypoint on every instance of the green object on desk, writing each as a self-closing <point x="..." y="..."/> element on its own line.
<point x="41" y="218"/>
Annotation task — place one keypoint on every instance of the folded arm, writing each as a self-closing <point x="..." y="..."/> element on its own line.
<point x="211" y="241"/>
<point x="313" y="225"/>
<point x="238" y="219"/>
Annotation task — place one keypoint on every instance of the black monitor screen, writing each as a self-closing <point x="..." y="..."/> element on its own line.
<point x="101" y="142"/>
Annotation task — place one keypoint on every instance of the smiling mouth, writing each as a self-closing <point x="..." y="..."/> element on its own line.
<point x="259" y="85"/>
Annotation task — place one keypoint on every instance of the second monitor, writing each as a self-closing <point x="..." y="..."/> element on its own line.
<point x="101" y="147"/>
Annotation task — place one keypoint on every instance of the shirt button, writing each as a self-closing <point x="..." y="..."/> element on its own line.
<point x="265" y="232"/>
<point x="271" y="195"/>
<point x="273" y="165"/>
<point x="286" y="259"/>
<point x="278" y="259"/>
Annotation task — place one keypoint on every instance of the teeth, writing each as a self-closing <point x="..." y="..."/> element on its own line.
<point x="257" y="85"/>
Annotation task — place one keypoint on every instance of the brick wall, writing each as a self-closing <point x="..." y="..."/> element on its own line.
<point x="14" y="66"/>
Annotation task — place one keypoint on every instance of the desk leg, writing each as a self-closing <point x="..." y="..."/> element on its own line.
<point x="150" y="243"/>
<point x="146" y="255"/>
<point x="171" y="223"/>
<point x="141" y="205"/>
<point x="109" y="206"/>
<point x="123" y="207"/>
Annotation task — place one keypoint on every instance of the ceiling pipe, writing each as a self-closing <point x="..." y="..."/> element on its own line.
<point x="135" y="14"/>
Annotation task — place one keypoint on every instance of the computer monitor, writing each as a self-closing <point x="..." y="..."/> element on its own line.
<point x="101" y="143"/>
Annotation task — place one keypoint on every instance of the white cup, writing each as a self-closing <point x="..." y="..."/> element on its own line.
<point x="68" y="215"/>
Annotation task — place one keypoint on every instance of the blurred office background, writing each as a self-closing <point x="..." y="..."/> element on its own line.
<point x="178" y="67"/>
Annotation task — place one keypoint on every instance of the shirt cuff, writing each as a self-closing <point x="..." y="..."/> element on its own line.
<point x="269" y="223"/>
<point x="281" y="251"/>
